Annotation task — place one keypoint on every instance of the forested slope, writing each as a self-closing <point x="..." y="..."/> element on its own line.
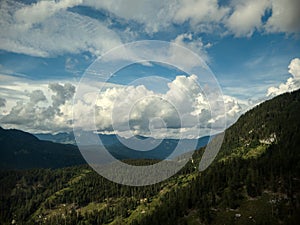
<point x="21" y="150"/>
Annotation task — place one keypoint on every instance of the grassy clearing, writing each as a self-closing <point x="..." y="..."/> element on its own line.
<point x="255" y="152"/>
<point x="58" y="210"/>
<point x="246" y="152"/>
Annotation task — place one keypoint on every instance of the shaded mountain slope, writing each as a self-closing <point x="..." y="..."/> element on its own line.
<point x="21" y="150"/>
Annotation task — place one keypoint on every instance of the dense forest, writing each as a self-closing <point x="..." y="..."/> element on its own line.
<point x="254" y="180"/>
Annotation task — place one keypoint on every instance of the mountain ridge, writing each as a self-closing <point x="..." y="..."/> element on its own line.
<point x="21" y="150"/>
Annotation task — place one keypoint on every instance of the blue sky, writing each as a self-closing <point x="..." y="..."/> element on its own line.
<point x="251" y="46"/>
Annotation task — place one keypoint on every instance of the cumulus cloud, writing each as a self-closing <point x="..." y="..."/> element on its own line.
<point x="182" y="110"/>
<point x="246" y="16"/>
<point x="158" y="15"/>
<point x="200" y="11"/>
<point x="294" y="68"/>
<point x="285" y="16"/>
<point x="62" y="94"/>
<point x="36" y="96"/>
<point x="194" y="44"/>
<point x="2" y="102"/>
<point x="240" y="17"/>
<point x="38" y="113"/>
<point x="292" y="83"/>
<point x="234" y="108"/>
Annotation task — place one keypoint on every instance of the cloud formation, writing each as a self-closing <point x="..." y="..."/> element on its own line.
<point x="120" y="109"/>
<point x="39" y="113"/>
<point x="39" y="11"/>
<point x="196" y="45"/>
<point x="292" y="83"/>
<point x="199" y="11"/>
<point x="50" y="28"/>
<point x="285" y="16"/>
<point x="2" y="102"/>
<point x="46" y="29"/>
<point x="246" y="17"/>
<point x="182" y="110"/>
<point x="240" y="17"/>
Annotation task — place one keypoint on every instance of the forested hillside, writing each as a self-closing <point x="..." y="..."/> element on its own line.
<point x="21" y="150"/>
<point x="254" y="180"/>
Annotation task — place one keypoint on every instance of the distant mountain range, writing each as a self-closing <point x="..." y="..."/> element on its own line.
<point x="116" y="145"/>
<point x="21" y="150"/>
<point x="62" y="138"/>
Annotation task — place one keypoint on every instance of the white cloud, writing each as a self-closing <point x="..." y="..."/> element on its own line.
<point x="154" y="15"/>
<point x="240" y="17"/>
<point x="292" y="83"/>
<point x="194" y="44"/>
<point x="294" y="68"/>
<point x="285" y="16"/>
<point x="39" y="11"/>
<point x="38" y="113"/>
<point x="235" y="107"/>
<point x="136" y="107"/>
<point x="2" y="102"/>
<point x="199" y="11"/>
<point x="158" y="15"/>
<point x="246" y="17"/>
<point x="36" y="96"/>
<point x="49" y="108"/>
<point x="30" y="31"/>
<point x="48" y="28"/>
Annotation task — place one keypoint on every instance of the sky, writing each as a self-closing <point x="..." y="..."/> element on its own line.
<point x="251" y="48"/>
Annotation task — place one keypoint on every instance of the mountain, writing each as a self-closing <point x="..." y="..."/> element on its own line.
<point x="116" y="145"/>
<point x="255" y="179"/>
<point x="63" y="138"/>
<point x="272" y="124"/>
<point x="21" y="150"/>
